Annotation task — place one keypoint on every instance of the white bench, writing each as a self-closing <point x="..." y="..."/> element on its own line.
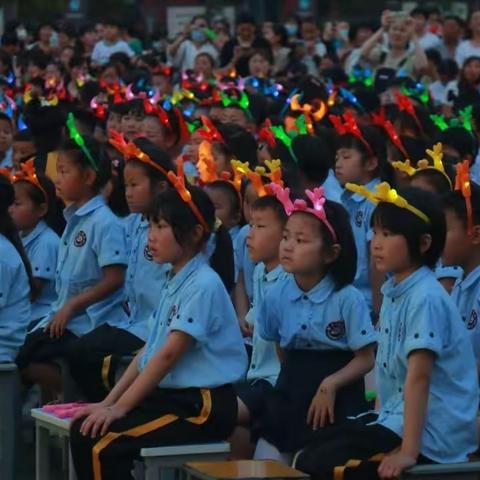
<point x="46" y="427"/>
<point x="450" y="471"/>
<point x="162" y="463"/>
<point x="10" y="414"/>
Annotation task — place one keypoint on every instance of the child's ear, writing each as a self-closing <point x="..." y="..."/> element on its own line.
<point x="333" y="253"/>
<point x="90" y="176"/>
<point x="475" y="238"/>
<point x="372" y="164"/>
<point x="425" y="243"/>
<point x="43" y="209"/>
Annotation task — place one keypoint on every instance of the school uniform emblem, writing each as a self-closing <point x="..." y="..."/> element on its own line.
<point x="335" y="330"/>
<point x="359" y="218"/>
<point x="147" y="253"/>
<point x="80" y="239"/>
<point x="172" y="312"/>
<point x="472" y="322"/>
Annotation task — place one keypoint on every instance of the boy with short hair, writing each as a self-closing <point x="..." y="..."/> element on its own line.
<point x="23" y="148"/>
<point x="6" y="137"/>
<point x="110" y="44"/>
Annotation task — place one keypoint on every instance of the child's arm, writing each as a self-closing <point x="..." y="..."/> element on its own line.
<point x="417" y="385"/>
<point x="113" y="278"/>
<point x="158" y="366"/>
<point x="321" y="411"/>
<point x="240" y="299"/>
<point x="376" y="280"/>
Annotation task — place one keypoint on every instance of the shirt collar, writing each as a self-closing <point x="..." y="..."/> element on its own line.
<point x="94" y="203"/>
<point x="470" y="279"/>
<point x="38" y="230"/>
<point x="394" y="290"/>
<point x="272" y="275"/>
<point x="175" y="281"/>
<point x="318" y="294"/>
<point x="356" y="197"/>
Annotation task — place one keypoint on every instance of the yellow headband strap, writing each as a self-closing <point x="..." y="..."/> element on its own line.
<point x="384" y="193"/>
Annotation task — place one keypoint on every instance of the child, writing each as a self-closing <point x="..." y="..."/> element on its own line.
<point x="428" y="387"/>
<point x="6" y="138"/>
<point x="34" y="214"/>
<point x="267" y="222"/>
<point x="94" y="358"/>
<point x="23" y="148"/>
<point x="110" y="44"/>
<point x="15" y="280"/>
<point x="178" y="389"/>
<point x="91" y="262"/>
<point x="462" y="249"/>
<point x="361" y="159"/>
<point x="131" y="123"/>
<point x="321" y="323"/>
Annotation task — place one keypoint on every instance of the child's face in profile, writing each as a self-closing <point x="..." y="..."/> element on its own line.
<point x="154" y="131"/>
<point x="264" y="236"/>
<point x="223" y="209"/>
<point x="349" y="167"/>
<point x="25" y="213"/>
<point x="6" y="135"/>
<point x="249" y="197"/>
<point x="235" y="116"/>
<point x="132" y="124"/>
<point x="162" y="243"/>
<point x="458" y="244"/>
<point x="114" y="122"/>
<point x="22" y="151"/>
<point x="70" y="181"/>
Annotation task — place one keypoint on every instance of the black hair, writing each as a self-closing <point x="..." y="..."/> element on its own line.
<point x="6" y="59"/>
<point x="10" y="38"/>
<point x="53" y="218"/>
<point x="280" y="31"/>
<point x="134" y="107"/>
<point x="239" y="143"/>
<point x="401" y="221"/>
<point x="420" y="11"/>
<point x="234" y="196"/>
<point x="270" y="202"/>
<point x="157" y="155"/>
<point x="415" y="148"/>
<point x="314" y="157"/>
<point x="455" y="18"/>
<point x="23" y="136"/>
<point x="344" y="268"/>
<point x="455" y="202"/>
<point x="437" y="180"/>
<point x="7" y="227"/>
<point x="448" y="67"/>
<point x="170" y="207"/>
<point x="461" y="140"/>
<point x="374" y="138"/>
<point x="245" y="17"/>
<point x="99" y="154"/>
<point x="6" y="118"/>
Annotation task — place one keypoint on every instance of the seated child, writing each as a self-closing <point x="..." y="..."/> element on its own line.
<point x="6" y="140"/>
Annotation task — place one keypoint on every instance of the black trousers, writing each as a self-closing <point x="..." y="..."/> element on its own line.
<point x="334" y="446"/>
<point x="166" y="417"/>
<point x="94" y="358"/>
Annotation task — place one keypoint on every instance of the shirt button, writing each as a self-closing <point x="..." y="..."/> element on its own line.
<point x="393" y="300"/>
<point x="304" y="327"/>
<point x="384" y="365"/>
<point x="65" y="242"/>
<point x="253" y="365"/>
<point x="416" y="335"/>
<point x="305" y="297"/>
<point x="386" y="330"/>
<point x="363" y="332"/>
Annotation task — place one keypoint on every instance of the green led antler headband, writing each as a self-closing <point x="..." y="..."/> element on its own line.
<point x="79" y="140"/>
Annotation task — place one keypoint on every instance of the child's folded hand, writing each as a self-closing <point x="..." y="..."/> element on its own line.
<point x="321" y="411"/>
<point x="57" y="324"/>
<point x="393" y="465"/>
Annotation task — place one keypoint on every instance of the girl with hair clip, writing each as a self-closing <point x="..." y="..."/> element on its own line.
<point x="94" y="358"/>
<point x="361" y="158"/>
<point x="35" y="215"/>
<point x="426" y="371"/>
<point x="89" y="274"/>
<point x="332" y="335"/>
<point x="16" y="282"/>
<point x="179" y="387"/>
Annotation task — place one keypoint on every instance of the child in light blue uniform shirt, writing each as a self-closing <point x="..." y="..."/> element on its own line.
<point x="95" y="357"/>
<point x="14" y="280"/>
<point x="35" y="215"/>
<point x="362" y="161"/>
<point x="178" y="388"/>
<point x="462" y="248"/>
<point x="89" y="275"/>
<point x="426" y="375"/>
<point x="321" y="323"/>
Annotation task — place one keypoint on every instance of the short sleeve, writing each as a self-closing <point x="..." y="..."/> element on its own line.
<point x="7" y="276"/>
<point x="110" y="245"/>
<point x="43" y="259"/>
<point x="96" y="53"/>
<point x="426" y="326"/>
<point x="268" y="321"/>
<point x="358" y="323"/>
<point x="196" y="317"/>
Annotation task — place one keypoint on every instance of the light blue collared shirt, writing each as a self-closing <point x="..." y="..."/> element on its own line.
<point x="360" y="210"/>
<point x="94" y="238"/>
<point x="14" y="301"/>
<point x="264" y="363"/>
<point x="418" y="314"/>
<point x="320" y="319"/>
<point x="195" y="301"/>
<point x="41" y="247"/>
<point x="243" y="260"/>
<point x="7" y="161"/>
<point x="332" y="188"/>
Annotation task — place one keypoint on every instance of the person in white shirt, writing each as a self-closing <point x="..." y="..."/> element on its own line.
<point x="194" y="40"/>
<point x="470" y="48"/>
<point x="315" y="48"/>
<point x="453" y="30"/>
<point x="110" y="44"/>
<point x="426" y="39"/>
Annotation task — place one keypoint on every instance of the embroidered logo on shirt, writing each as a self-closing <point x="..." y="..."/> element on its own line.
<point x="359" y="218"/>
<point x="80" y="239"/>
<point x="335" y="330"/>
<point x="472" y="322"/>
<point x="147" y="253"/>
